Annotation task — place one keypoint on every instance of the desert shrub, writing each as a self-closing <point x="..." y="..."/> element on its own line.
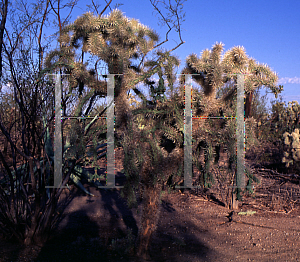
<point x="285" y="118"/>
<point x="284" y="122"/>
<point x="291" y="149"/>
<point x="123" y="246"/>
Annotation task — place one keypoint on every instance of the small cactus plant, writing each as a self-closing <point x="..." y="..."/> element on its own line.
<point x="287" y="118"/>
<point x="292" y="144"/>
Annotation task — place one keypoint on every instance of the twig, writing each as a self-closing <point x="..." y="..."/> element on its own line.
<point x="167" y="21"/>
<point x="107" y="5"/>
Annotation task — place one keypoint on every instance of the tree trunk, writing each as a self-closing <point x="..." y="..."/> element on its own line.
<point x="248" y="102"/>
<point x="149" y="220"/>
<point x="234" y="202"/>
<point x="2" y="29"/>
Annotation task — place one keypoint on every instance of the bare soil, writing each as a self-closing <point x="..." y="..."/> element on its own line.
<point x="193" y="226"/>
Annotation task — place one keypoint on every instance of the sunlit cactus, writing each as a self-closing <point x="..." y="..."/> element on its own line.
<point x="287" y="118"/>
<point x="292" y="144"/>
<point x="212" y="70"/>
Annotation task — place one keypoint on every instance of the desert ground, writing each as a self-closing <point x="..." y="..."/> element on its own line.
<point x="193" y="225"/>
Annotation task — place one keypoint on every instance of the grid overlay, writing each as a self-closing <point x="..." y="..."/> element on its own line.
<point x="240" y="132"/>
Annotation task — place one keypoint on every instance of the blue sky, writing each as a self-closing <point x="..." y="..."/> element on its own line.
<point x="268" y="30"/>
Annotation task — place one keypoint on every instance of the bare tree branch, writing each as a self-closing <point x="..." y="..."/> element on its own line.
<point x="108" y="4"/>
<point x="2" y="28"/>
<point x="60" y="7"/>
<point x="7" y="135"/>
<point x="41" y="52"/>
<point x="57" y="13"/>
<point x="13" y="47"/>
<point x="72" y="7"/>
<point x="168" y="20"/>
<point x="95" y="6"/>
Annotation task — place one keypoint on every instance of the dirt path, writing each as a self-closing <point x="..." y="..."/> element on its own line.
<point x="191" y="228"/>
<point x="199" y="231"/>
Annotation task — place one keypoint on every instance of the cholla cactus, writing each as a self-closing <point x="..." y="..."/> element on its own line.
<point x="212" y="70"/>
<point x="292" y="143"/>
<point x="286" y="118"/>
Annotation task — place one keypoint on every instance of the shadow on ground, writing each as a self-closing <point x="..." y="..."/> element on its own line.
<point x="96" y="229"/>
